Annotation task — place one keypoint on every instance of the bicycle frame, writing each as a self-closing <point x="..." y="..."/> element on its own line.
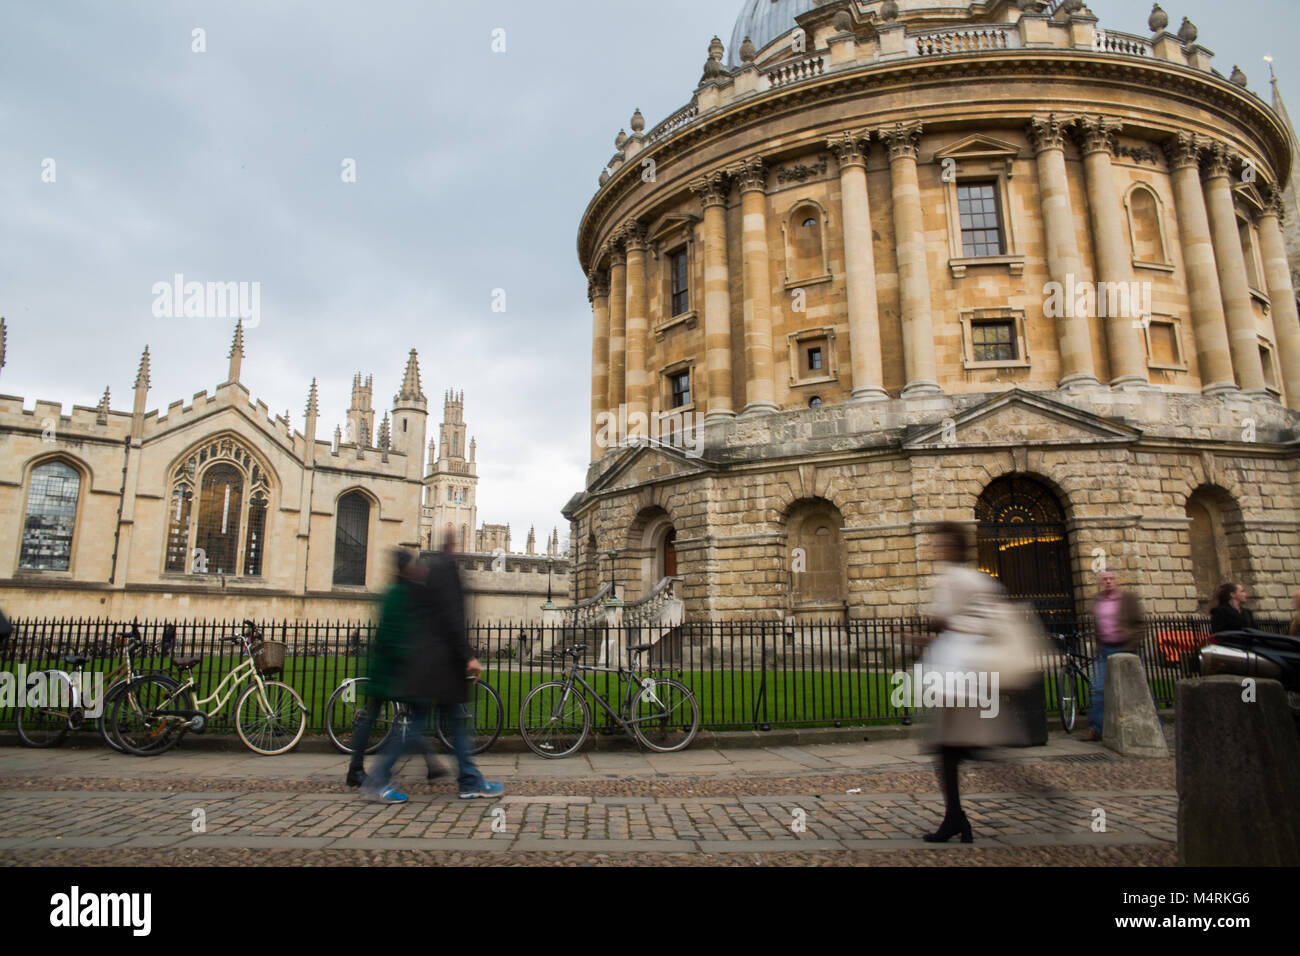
<point x="223" y="692"/>
<point x="630" y="678"/>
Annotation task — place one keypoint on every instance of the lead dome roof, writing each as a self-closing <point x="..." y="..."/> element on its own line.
<point x="764" y="21"/>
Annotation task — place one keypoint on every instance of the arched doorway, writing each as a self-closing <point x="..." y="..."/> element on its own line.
<point x="653" y="540"/>
<point x="1023" y="542"/>
<point x="669" y="559"/>
<point x="1217" y="542"/>
<point x="817" y="588"/>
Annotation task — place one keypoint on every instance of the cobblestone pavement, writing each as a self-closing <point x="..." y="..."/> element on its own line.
<point x="814" y="805"/>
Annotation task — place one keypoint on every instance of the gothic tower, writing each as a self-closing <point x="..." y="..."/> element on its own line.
<point x="451" y="486"/>
<point x="361" y="416"/>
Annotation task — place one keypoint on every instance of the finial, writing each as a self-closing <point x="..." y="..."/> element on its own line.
<point x="1072" y="6"/>
<point x="1159" y="19"/>
<point x="621" y="139"/>
<point x="638" y="121"/>
<point x="238" y="344"/>
<point x="385" y="433"/>
<point x="1188" y="32"/>
<point x="1238" y="77"/>
<point x="411" y="389"/>
<point x="103" y="409"/>
<point x="142" y="376"/>
<point x="312" y="401"/>
<point x="749" y="52"/>
<point x="889" y="10"/>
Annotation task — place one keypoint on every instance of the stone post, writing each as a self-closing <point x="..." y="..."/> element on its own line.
<point x="598" y="293"/>
<point x="1127" y="351"/>
<point x="1243" y="332"/>
<point x="760" y="390"/>
<point x="713" y="190"/>
<point x="1073" y="332"/>
<point x="1204" y="296"/>
<point x="859" y="268"/>
<point x="1281" y="293"/>
<point x="903" y="140"/>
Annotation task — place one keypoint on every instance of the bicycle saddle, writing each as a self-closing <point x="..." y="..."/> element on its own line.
<point x="640" y="648"/>
<point x="185" y="663"/>
<point x="76" y="660"/>
<point x="576" y="649"/>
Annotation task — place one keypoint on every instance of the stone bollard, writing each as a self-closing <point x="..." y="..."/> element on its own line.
<point x="1130" y="726"/>
<point x="1238" y="774"/>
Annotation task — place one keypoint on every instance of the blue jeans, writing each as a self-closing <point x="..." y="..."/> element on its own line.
<point x="468" y="777"/>
<point x="1097" y="709"/>
<point x="365" y="723"/>
<point x="398" y="744"/>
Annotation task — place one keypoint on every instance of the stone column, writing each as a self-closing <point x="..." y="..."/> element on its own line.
<point x="760" y="389"/>
<point x="1064" y="265"/>
<point x="1281" y="293"/>
<point x="598" y="293"/>
<point x="638" y="323"/>
<point x="1128" y="353"/>
<point x="714" y="190"/>
<point x="1184" y="152"/>
<point x="903" y="139"/>
<point x="859" y="268"/>
<point x="617" y="328"/>
<point x="1243" y="330"/>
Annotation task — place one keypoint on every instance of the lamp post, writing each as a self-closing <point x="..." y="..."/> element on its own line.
<point x="613" y="583"/>
<point x="550" y="567"/>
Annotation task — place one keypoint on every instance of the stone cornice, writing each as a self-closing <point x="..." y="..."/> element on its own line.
<point x="1194" y="87"/>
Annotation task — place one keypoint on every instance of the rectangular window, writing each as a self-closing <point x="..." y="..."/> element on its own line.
<point x="681" y="383"/>
<point x="1270" y="373"/>
<point x="815" y="359"/>
<point x="981" y="220"/>
<point x="994" y="341"/>
<point x="681" y="291"/>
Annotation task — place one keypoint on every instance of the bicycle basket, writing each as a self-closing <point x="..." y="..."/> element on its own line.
<point x="268" y="657"/>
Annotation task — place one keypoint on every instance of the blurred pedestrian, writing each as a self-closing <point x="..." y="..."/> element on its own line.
<point x="1295" y="614"/>
<point x="1118" y="614"/>
<point x="1230" y="612"/>
<point x="966" y="607"/>
<point x="6" y="627"/>
<point x="451" y="666"/>
<point x="396" y="638"/>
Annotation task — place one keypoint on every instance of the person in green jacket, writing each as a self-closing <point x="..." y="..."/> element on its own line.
<point x="398" y="627"/>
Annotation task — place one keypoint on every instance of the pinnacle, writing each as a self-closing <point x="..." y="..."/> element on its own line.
<point x="238" y="344"/>
<point x="142" y="376"/>
<point x="312" y="401"/>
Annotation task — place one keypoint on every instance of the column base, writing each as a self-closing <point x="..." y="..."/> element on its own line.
<point x="1260" y="394"/>
<point x="1079" y="383"/>
<point x="758" y="409"/>
<point x="718" y="415"/>
<point x="869" y="393"/>
<point x="1130" y="383"/>
<point x="1220" y="388"/>
<point x="922" y="389"/>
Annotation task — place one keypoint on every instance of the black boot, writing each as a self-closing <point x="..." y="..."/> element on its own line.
<point x="355" y="776"/>
<point x="950" y="827"/>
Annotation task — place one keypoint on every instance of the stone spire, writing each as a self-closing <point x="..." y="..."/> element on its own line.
<point x="236" y="353"/>
<point x="411" y="392"/>
<point x="142" y="375"/>
<point x="3" y="335"/>
<point x="102" y="410"/>
<point x="532" y="540"/>
<point x="385" y="436"/>
<point x="141" y="395"/>
<point x="313" y="411"/>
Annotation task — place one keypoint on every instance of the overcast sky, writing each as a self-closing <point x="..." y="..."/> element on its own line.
<point x="472" y="171"/>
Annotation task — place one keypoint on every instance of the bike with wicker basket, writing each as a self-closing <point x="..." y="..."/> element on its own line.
<point x="151" y="717"/>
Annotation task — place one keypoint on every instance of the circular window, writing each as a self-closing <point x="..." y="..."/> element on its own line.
<point x="815" y="402"/>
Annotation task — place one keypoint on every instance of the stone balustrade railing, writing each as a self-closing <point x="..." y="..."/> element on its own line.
<point x="964" y="40"/>
<point x="649" y="610"/>
<point x="796" y="72"/>
<point x="1125" y="44"/>
<point x="588" y="613"/>
<point x="672" y="124"/>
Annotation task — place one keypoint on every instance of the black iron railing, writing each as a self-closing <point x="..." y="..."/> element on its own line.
<point x="745" y="675"/>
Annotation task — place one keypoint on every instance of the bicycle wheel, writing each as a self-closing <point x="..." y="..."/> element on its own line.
<point x="144" y="718"/>
<point x="1067" y="697"/>
<point x="111" y="698"/>
<point x="346" y="706"/>
<point x="273" y="727"/>
<point x="675" y="713"/>
<point x="554" y="720"/>
<point x="485" y="715"/>
<point x="49" y="705"/>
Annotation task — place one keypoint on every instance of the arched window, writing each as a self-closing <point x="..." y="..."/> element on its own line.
<point x="1217" y="542"/>
<point x="217" y="511"/>
<point x="51" y="517"/>
<point x="805" y="246"/>
<point x="351" y="539"/>
<point x="1145" y="226"/>
<point x="817" y="557"/>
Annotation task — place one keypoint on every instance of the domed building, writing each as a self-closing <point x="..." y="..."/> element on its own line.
<point x="903" y="261"/>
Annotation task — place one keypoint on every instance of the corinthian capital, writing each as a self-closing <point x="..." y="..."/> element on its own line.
<point x="903" y="139"/>
<point x="1096" y="134"/>
<point x="751" y="174"/>
<point x="1048" y="131"/>
<point x="1183" y="150"/>
<point x="1219" y="159"/>
<point x="634" y="236"/>
<point x="850" y="147"/>
<point x="712" y="188"/>
<point x="597" y="285"/>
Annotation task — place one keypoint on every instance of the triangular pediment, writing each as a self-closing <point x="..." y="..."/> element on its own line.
<point x="1020" y="419"/>
<point x="648" y="463"/>
<point x="672" y="225"/>
<point x="978" y="147"/>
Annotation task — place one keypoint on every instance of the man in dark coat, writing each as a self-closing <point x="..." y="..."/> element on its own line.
<point x="446" y="671"/>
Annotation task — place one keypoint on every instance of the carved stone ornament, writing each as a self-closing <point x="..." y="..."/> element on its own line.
<point x="802" y="172"/>
<point x="850" y="147"/>
<point x="1158" y="20"/>
<point x="1184" y="149"/>
<point x="750" y="174"/>
<point x="1096" y="134"/>
<point x="713" y="188"/>
<point x="1048" y="132"/>
<point x="903" y="139"/>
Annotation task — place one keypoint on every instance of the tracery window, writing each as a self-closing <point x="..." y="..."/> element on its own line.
<point x="352" y="540"/>
<point x="51" y="517"/>
<point x="217" y="512"/>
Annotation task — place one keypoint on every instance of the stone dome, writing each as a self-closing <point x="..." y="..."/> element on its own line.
<point x="764" y="21"/>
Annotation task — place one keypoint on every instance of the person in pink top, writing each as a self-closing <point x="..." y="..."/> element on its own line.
<point x="1119" y="631"/>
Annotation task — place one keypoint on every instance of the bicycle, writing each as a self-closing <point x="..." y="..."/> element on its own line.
<point x="270" y="717"/>
<point x="60" y="709"/>
<point x="659" y="713"/>
<point x="1073" y="675"/>
<point x="484" y="713"/>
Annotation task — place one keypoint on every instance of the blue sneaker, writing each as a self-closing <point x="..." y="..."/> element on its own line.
<point x="490" y="790"/>
<point x="387" y="795"/>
